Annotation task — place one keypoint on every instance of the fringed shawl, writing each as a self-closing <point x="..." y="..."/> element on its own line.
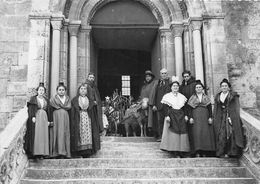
<point x="194" y="101"/>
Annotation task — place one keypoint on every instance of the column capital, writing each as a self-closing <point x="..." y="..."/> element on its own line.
<point x="177" y="30"/>
<point x="57" y="21"/>
<point x="86" y="29"/>
<point x="74" y="27"/>
<point x="66" y="22"/>
<point x="163" y="31"/>
<point x="196" y="24"/>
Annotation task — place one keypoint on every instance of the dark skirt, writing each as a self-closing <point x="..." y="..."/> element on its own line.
<point x="226" y="143"/>
<point x="203" y="138"/>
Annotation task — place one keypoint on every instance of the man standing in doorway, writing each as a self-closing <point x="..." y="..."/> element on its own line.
<point x="162" y="87"/>
<point x="94" y="94"/>
<point x="187" y="88"/>
<point x="145" y="96"/>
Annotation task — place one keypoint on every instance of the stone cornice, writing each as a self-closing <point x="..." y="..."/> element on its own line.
<point x="217" y="16"/>
<point x="74" y="27"/>
<point x="40" y="15"/>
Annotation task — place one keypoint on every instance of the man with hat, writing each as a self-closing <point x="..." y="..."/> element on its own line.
<point x="161" y="88"/>
<point x="145" y="96"/>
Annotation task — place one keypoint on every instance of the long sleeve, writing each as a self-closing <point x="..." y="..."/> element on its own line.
<point x="50" y="113"/>
<point x="165" y="110"/>
<point x="186" y="110"/>
<point x="209" y="107"/>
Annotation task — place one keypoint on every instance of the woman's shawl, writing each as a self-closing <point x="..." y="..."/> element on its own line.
<point x="176" y="102"/>
<point x="194" y="101"/>
<point x="175" y="111"/>
<point x="57" y="104"/>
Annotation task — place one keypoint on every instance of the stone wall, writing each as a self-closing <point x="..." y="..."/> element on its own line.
<point x="14" y="39"/>
<point x="242" y="29"/>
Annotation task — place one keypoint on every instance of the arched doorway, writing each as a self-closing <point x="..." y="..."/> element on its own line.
<point x="124" y="36"/>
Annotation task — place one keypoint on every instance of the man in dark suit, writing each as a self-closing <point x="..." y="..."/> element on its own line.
<point x="162" y="87"/>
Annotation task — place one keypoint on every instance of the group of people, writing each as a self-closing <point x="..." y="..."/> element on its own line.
<point x="62" y="127"/>
<point x="181" y="116"/>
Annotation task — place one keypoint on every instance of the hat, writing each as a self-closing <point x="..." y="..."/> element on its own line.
<point x="200" y="83"/>
<point x="225" y="81"/>
<point x="174" y="79"/>
<point x="41" y="84"/>
<point x="61" y="83"/>
<point x="149" y="72"/>
<point x="164" y="70"/>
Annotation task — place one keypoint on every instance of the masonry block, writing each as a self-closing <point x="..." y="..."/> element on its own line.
<point x="23" y="7"/>
<point x="3" y="120"/>
<point x="18" y="73"/>
<point x="19" y="102"/>
<point x="14" y="21"/>
<point x="8" y="59"/>
<point x="16" y="88"/>
<point x="23" y="58"/>
<point x="4" y="71"/>
<point x="3" y="88"/>
<point x="6" y="104"/>
<point x="6" y="8"/>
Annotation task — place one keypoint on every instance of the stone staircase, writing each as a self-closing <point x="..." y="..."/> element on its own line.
<point x="136" y="160"/>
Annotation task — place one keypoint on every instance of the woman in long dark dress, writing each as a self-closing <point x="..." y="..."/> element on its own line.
<point x="85" y="139"/>
<point x="200" y="114"/>
<point x="37" y="134"/>
<point x="175" y="138"/>
<point x="227" y="123"/>
<point x="60" y="132"/>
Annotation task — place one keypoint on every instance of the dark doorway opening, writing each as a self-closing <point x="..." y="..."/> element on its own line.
<point x="113" y="63"/>
<point x="124" y="34"/>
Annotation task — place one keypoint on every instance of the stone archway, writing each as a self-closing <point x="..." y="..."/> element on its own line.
<point x="70" y="59"/>
<point x="83" y="11"/>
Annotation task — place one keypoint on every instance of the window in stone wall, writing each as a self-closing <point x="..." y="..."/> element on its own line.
<point x="126" y="85"/>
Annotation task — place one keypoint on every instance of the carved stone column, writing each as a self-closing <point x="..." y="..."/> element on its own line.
<point x="73" y="30"/>
<point x="196" y="28"/>
<point x="177" y="33"/>
<point x="167" y="50"/>
<point x="38" y="66"/>
<point x="64" y="53"/>
<point x="56" y="23"/>
<point x="86" y="31"/>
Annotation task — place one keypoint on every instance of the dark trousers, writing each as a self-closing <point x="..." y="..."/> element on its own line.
<point x="160" y="122"/>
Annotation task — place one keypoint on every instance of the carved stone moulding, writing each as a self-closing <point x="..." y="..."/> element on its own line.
<point x="10" y="159"/>
<point x="252" y="147"/>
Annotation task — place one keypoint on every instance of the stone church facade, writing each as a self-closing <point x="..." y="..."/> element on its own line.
<point x="59" y="40"/>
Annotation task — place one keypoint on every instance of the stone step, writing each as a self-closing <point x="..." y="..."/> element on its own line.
<point x="134" y="163"/>
<point x="137" y="173"/>
<point x="145" y="181"/>
<point x="127" y="139"/>
<point x="132" y="154"/>
<point x="130" y="147"/>
<point x="155" y="145"/>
